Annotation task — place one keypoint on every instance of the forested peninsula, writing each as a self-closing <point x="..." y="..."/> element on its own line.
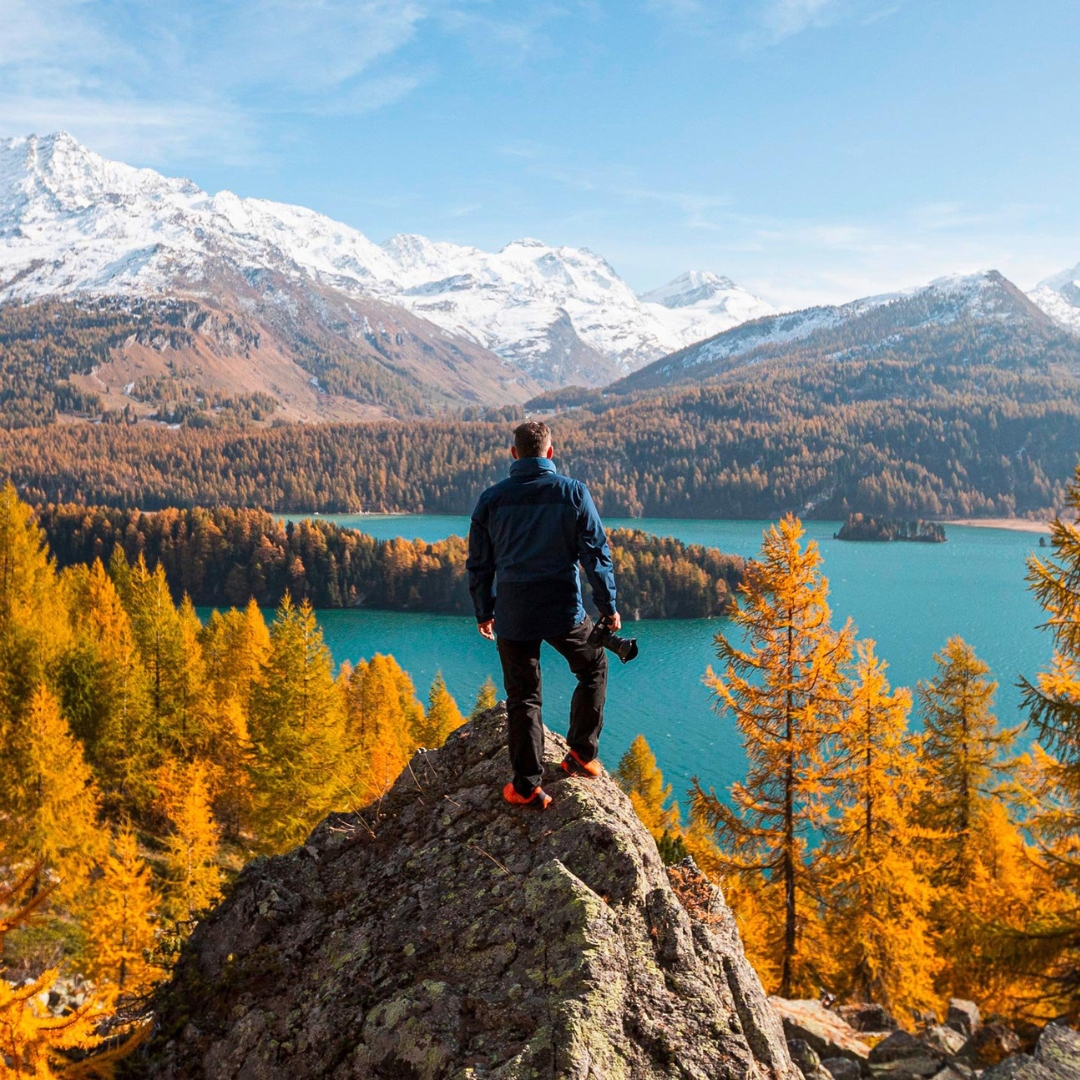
<point x="226" y="557"/>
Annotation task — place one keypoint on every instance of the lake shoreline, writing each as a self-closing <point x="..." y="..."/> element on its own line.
<point x="1012" y="524"/>
<point x="1009" y="524"/>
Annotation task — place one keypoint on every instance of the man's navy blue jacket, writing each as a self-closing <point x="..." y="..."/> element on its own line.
<point x="528" y="534"/>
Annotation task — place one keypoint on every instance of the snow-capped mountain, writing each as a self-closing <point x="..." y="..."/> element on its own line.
<point x="1059" y="297"/>
<point x="529" y="300"/>
<point x="892" y="321"/>
<point x="73" y="223"/>
<point x="700" y="293"/>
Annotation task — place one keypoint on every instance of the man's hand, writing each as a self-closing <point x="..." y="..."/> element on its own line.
<point x="487" y="629"/>
<point x="613" y="622"/>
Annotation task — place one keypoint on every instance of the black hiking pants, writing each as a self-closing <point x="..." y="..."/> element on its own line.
<point x="521" y="678"/>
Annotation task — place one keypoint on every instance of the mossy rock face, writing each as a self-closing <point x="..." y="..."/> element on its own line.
<point x="443" y="935"/>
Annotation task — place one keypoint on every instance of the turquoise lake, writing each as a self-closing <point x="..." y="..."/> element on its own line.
<point x="908" y="597"/>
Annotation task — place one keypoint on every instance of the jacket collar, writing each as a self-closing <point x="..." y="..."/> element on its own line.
<point x="532" y="466"/>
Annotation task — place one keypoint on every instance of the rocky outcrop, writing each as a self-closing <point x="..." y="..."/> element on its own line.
<point x="825" y="1040"/>
<point x="943" y="1040"/>
<point x="440" y="935"/>
<point x="842" y="1068"/>
<point x="809" y="1064"/>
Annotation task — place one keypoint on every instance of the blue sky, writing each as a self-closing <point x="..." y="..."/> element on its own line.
<point x="810" y="149"/>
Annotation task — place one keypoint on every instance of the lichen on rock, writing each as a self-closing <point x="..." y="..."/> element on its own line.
<point x="441" y="935"/>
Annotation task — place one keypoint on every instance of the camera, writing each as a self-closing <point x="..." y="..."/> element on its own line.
<point x="625" y="648"/>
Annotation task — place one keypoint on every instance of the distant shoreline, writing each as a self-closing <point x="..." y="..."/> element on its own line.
<point x="1012" y="524"/>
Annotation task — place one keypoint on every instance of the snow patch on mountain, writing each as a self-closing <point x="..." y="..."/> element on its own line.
<point x="700" y="298"/>
<point x="73" y="222"/>
<point x="1059" y="297"/>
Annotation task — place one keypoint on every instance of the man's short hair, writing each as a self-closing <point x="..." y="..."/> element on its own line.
<point x="532" y="438"/>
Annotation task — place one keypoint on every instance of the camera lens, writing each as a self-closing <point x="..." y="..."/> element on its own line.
<point x="625" y="648"/>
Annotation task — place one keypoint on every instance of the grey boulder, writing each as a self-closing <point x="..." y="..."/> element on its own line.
<point x="829" y="1034"/>
<point x="842" y="1068"/>
<point x="943" y="1040"/>
<point x="809" y="1064"/>
<point x="963" y="1016"/>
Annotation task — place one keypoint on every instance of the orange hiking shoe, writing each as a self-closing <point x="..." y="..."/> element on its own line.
<point x="539" y="797"/>
<point x="574" y="766"/>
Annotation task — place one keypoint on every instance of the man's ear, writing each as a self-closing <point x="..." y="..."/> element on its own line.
<point x="513" y="452"/>
<point x="550" y="452"/>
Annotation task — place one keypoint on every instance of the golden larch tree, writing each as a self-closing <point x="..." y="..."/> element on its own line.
<point x="190" y="690"/>
<point x="299" y="768"/>
<point x="878" y="899"/>
<point x="1052" y="700"/>
<point x="168" y="642"/>
<point x="192" y="872"/>
<point x="33" y="1042"/>
<point x="384" y="717"/>
<point x="118" y="921"/>
<point x="974" y="850"/>
<point x="640" y="777"/>
<point x="1009" y="895"/>
<point x="235" y="646"/>
<point x="786" y="691"/>
<point x="105" y="690"/>
<point x="487" y="697"/>
<point x="963" y="756"/>
<point x="441" y="716"/>
<point x="53" y="817"/>
<point x="34" y="630"/>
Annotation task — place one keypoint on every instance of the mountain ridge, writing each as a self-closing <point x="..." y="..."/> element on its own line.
<point x="870" y="325"/>
<point x="72" y="222"/>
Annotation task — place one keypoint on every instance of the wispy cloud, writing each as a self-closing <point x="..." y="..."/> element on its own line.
<point x="783" y="18"/>
<point x="694" y="208"/>
<point x="776" y="20"/>
<point x="157" y="81"/>
<point x="138" y="131"/>
<point x="161" y="80"/>
<point x="792" y="260"/>
<point x="518" y="34"/>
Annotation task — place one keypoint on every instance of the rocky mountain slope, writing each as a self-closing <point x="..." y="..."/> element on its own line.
<point x="975" y="314"/>
<point x="440" y="934"/>
<point x="75" y="224"/>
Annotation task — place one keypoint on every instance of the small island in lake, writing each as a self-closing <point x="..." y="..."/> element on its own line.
<point x="862" y="527"/>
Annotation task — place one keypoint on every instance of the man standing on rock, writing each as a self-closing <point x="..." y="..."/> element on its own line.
<point x="528" y="534"/>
